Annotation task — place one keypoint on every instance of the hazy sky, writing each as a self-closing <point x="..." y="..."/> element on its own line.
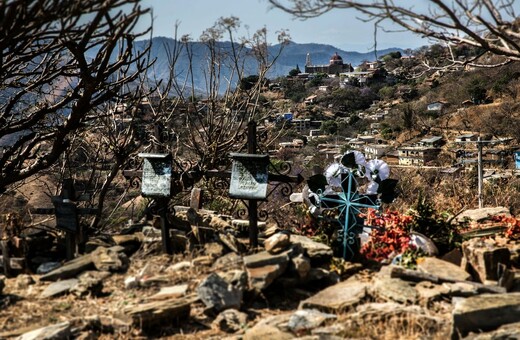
<point x="339" y="28"/>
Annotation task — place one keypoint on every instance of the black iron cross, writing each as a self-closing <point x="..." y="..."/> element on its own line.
<point x="67" y="217"/>
<point x="252" y="205"/>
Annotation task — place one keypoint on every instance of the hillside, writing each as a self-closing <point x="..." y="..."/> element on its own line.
<point x="292" y="55"/>
<point x="396" y="252"/>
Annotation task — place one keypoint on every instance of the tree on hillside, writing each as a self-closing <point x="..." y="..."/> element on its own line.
<point x="206" y="131"/>
<point x="351" y="98"/>
<point x="477" y="91"/>
<point x="391" y="55"/>
<point x="329" y="127"/>
<point x="491" y="25"/>
<point x="60" y="63"/>
<point x="295" y="71"/>
<point x="248" y="82"/>
<point x="408" y="117"/>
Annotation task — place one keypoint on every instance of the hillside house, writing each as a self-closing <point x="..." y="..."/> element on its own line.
<point x="391" y="156"/>
<point x="324" y="88"/>
<point x="374" y="65"/>
<point x="313" y="133"/>
<point x="376" y="117"/>
<point x="330" y="151"/>
<point x="296" y="144"/>
<point x="288" y="116"/>
<point x="460" y="153"/>
<point x="301" y="124"/>
<point x="356" y="77"/>
<point x="432" y="142"/>
<point x="375" y="127"/>
<point x="356" y="144"/>
<point x="469" y="137"/>
<point x="310" y="99"/>
<point x="366" y="139"/>
<point x="373" y="151"/>
<point x="417" y="155"/>
<point x="496" y="156"/>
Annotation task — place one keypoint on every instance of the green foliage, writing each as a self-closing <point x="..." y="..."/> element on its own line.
<point x="294" y="72"/>
<point x="427" y="221"/>
<point x="387" y="92"/>
<point x="477" y="91"/>
<point x="409" y="257"/>
<point x="501" y="84"/>
<point x="389" y="131"/>
<point x="345" y="147"/>
<point x="410" y="95"/>
<point x="294" y="90"/>
<point x="277" y="165"/>
<point x="317" y="80"/>
<point x="435" y="51"/>
<point x="249" y="82"/>
<point x="408" y="117"/>
<point x="219" y="204"/>
<point x="391" y="55"/>
<point x="351" y="98"/>
<point x="329" y="127"/>
<point x="465" y="50"/>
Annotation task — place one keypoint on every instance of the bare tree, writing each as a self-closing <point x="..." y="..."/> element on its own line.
<point x="491" y="25"/>
<point x="208" y="129"/>
<point x="60" y="62"/>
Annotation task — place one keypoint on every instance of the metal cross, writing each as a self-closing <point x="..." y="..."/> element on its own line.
<point x="349" y="203"/>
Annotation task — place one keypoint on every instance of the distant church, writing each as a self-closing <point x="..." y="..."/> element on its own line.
<point x="335" y="66"/>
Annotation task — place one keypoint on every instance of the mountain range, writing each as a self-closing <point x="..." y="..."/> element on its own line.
<point x="293" y="55"/>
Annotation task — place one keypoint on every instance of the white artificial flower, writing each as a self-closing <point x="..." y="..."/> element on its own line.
<point x="377" y="167"/>
<point x="333" y="174"/>
<point x="372" y="188"/>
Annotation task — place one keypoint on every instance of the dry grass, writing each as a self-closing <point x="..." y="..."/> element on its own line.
<point x="453" y="193"/>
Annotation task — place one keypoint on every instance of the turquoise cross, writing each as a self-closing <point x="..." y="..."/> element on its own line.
<point x="350" y="204"/>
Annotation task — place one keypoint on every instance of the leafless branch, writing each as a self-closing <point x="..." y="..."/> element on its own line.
<point x="60" y="61"/>
<point x="488" y="24"/>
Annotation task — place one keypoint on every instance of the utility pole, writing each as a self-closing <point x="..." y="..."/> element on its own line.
<point x="480" y="174"/>
<point x="480" y="164"/>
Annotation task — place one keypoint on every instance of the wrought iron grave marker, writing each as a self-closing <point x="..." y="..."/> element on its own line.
<point x="67" y="217"/>
<point x="156" y="183"/>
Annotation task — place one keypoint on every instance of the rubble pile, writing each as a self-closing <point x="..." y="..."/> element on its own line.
<point x="216" y="288"/>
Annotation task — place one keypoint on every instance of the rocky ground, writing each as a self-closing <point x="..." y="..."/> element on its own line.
<point x="291" y="287"/>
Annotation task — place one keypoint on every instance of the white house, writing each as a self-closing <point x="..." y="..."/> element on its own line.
<point x="417" y="155"/>
<point x="373" y="151"/>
